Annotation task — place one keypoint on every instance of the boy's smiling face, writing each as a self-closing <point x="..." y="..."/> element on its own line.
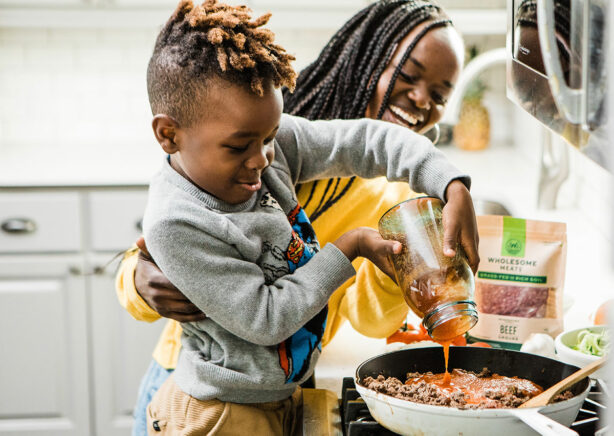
<point x="227" y="151"/>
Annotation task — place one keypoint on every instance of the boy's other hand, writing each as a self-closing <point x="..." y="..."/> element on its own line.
<point x="159" y="293"/>
<point x="367" y="242"/>
<point x="459" y="224"/>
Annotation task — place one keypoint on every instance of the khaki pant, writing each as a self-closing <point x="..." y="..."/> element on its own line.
<point x="173" y="412"/>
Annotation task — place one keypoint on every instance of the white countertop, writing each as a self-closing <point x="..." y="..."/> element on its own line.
<point x="133" y="164"/>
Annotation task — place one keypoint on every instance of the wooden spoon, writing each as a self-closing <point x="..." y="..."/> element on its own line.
<point x="545" y="397"/>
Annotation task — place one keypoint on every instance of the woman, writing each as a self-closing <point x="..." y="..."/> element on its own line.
<point x="396" y="60"/>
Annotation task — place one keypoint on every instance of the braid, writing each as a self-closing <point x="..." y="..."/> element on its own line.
<point x="342" y="81"/>
<point x="207" y="40"/>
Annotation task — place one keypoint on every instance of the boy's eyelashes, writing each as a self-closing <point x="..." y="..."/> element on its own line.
<point x="242" y="148"/>
<point x="237" y="149"/>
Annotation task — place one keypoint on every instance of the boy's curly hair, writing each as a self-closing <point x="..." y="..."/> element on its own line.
<point x="212" y="40"/>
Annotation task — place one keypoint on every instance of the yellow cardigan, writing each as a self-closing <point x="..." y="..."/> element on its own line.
<point x="370" y="300"/>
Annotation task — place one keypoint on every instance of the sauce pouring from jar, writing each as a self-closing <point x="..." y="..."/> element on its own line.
<point x="437" y="288"/>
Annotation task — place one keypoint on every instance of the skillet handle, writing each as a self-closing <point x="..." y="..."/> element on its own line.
<point x="541" y="423"/>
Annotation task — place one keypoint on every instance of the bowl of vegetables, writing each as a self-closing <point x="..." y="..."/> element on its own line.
<point x="583" y="346"/>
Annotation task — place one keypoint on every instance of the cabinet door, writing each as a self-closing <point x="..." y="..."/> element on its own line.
<point x="116" y="218"/>
<point x="121" y="353"/>
<point x="43" y="343"/>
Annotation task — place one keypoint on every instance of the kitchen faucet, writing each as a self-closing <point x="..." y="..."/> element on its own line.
<point x="474" y="68"/>
<point x="554" y="159"/>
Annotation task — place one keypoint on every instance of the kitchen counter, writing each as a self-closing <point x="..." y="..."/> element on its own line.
<point x="65" y="167"/>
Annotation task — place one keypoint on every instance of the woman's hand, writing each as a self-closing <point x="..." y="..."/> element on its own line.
<point x="367" y="242"/>
<point x="159" y="293"/>
<point x="459" y="225"/>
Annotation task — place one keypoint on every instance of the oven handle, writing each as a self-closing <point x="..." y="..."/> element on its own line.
<point x="567" y="100"/>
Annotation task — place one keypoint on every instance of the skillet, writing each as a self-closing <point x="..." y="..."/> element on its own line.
<point x="409" y="418"/>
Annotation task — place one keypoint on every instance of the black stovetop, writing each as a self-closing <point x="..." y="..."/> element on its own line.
<point x="357" y="421"/>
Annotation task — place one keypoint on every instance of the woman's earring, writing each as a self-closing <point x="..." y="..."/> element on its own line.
<point x="434" y="133"/>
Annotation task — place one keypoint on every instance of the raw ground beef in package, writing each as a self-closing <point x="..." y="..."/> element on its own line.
<point x="519" y="283"/>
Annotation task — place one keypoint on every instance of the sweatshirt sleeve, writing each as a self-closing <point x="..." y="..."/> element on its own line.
<point x="365" y="148"/>
<point x="232" y="291"/>
<point x="127" y="295"/>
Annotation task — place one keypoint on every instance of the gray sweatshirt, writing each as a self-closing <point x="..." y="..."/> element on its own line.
<point x="256" y="268"/>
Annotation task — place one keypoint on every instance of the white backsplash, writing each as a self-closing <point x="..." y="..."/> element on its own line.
<point x="73" y="88"/>
<point x="67" y="88"/>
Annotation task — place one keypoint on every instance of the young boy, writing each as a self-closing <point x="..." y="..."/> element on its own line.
<point x="223" y="224"/>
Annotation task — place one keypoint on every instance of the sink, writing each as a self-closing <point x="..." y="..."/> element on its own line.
<point x="489" y="207"/>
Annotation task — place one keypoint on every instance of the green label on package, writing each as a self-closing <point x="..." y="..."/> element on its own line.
<point x="514" y="237"/>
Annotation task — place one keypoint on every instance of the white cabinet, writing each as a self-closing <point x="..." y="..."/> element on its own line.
<point x="39" y="222"/>
<point x="71" y="358"/>
<point x="115" y="218"/>
<point x="121" y="355"/>
<point x="43" y="338"/>
<point x="123" y="346"/>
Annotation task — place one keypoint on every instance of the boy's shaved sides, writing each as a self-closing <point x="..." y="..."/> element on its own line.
<point x="201" y="42"/>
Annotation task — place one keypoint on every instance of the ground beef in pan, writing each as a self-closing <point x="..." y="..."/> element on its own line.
<point x="479" y="390"/>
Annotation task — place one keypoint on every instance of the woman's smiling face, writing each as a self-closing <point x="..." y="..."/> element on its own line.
<point x="425" y="81"/>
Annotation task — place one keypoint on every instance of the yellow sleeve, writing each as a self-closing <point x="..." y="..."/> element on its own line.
<point x="167" y="349"/>
<point x="370" y="301"/>
<point x="127" y="295"/>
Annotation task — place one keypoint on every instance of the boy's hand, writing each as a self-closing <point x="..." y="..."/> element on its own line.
<point x="367" y="242"/>
<point x="159" y="293"/>
<point x="459" y="225"/>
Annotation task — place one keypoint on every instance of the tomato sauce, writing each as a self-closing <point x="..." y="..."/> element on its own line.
<point x="447" y="378"/>
<point x="473" y="386"/>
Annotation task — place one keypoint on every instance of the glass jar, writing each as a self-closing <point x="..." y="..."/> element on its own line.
<point x="438" y="288"/>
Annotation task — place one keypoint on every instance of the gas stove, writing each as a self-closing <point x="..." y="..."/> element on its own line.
<point x="357" y="421"/>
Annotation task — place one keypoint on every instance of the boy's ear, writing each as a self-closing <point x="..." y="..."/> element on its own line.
<point x="165" y="129"/>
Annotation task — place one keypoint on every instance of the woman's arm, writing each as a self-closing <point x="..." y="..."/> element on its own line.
<point x="126" y="291"/>
<point x="145" y="292"/>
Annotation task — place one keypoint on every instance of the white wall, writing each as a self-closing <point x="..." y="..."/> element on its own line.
<point x="66" y="87"/>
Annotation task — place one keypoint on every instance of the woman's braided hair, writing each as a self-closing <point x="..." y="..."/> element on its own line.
<point x="342" y="81"/>
<point x="212" y="40"/>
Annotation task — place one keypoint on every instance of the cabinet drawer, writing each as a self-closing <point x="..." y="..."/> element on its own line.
<point x="115" y="218"/>
<point x="39" y="222"/>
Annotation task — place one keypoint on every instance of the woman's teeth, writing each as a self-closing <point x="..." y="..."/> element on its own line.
<point x="410" y="119"/>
